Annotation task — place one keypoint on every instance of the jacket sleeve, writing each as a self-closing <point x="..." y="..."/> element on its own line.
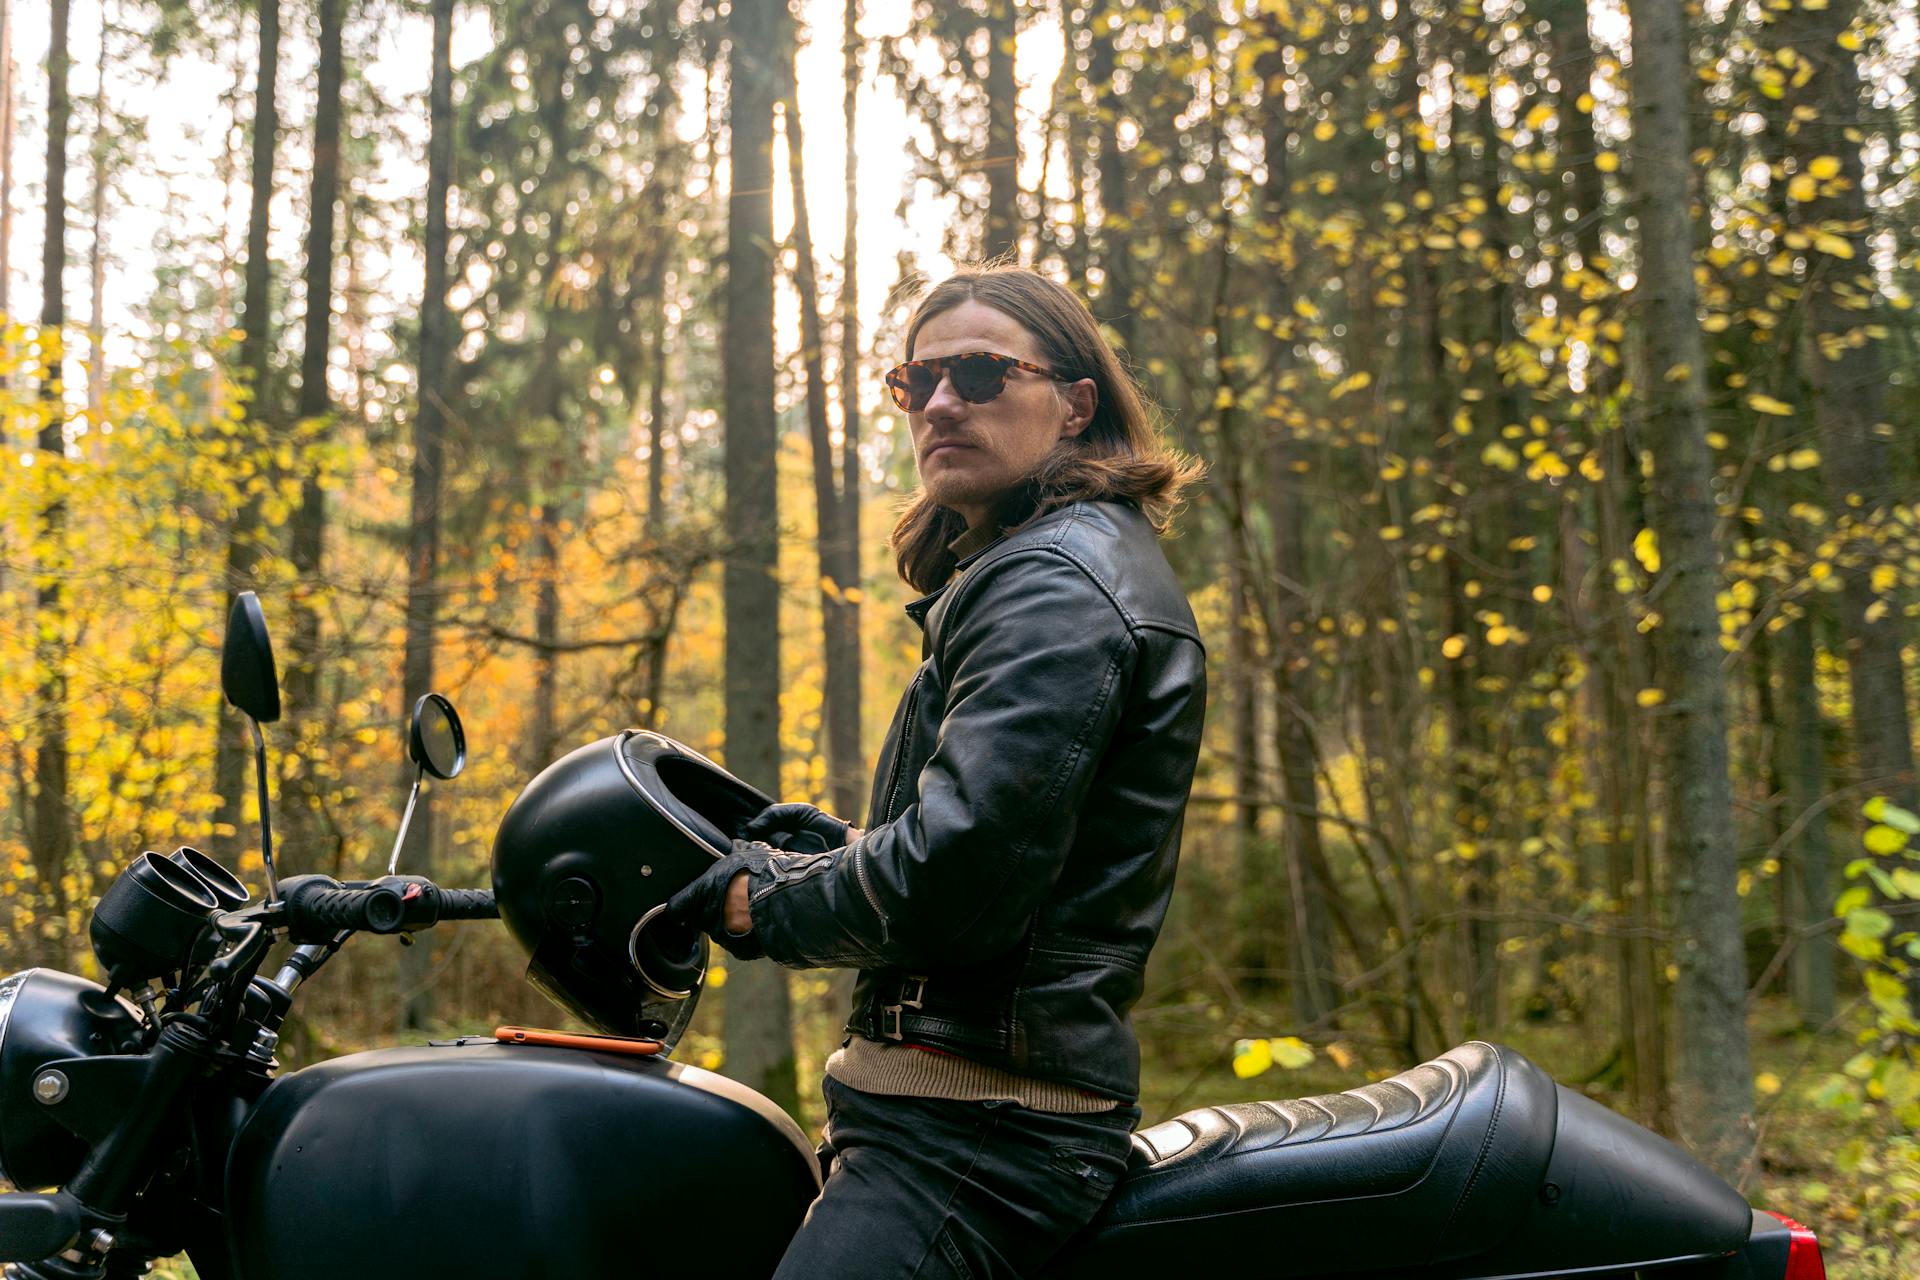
<point x="1036" y="658"/>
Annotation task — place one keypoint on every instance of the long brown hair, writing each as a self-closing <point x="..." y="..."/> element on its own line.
<point x="1119" y="457"/>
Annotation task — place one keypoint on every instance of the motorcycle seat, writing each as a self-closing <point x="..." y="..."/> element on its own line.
<point x="1474" y="1160"/>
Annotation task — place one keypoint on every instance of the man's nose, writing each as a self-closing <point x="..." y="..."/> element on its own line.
<point x="945" y="404"/>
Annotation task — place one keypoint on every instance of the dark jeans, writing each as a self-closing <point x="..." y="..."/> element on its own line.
<point x="924" y="1187"/>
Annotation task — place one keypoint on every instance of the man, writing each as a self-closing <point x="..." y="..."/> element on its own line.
<point x="1025" y="815"/>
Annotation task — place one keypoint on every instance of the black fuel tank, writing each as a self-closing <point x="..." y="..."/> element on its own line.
<point x="513" y="1160"/>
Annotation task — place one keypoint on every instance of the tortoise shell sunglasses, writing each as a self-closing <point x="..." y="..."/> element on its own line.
<point x="978" y="377"/>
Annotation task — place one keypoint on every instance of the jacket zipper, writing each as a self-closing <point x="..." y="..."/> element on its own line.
<point x="797" y="868"/>
<point x="866" y="887"/>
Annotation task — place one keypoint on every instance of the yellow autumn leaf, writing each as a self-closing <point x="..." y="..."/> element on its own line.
<point x="1803" y="459"/>
<point x="1883" y="839"/>
<point x="1352" y="382"/>
<point x="1646" y="549"/>
<point x="1802" y="187"/>
<point x="1762" y="403"/>
<point x="1290" y="1052"/>
<point x="1824" y="167"/>
<point x="1832" y="245"/>
<point x="1453" y="646"/>
<point x="1251" y="1058"/>
<point x="1883" y="578"/>
<point x="1650" y="697"/>
<point x="1766" y="1083"/>
<point x="1607" y="161"/>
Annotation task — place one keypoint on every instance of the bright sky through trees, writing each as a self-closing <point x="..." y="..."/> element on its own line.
<point x="175" y="187"/>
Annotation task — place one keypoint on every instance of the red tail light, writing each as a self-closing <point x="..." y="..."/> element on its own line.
<point x="1803" y="1251"/>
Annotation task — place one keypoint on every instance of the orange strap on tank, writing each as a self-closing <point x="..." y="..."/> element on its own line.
<point x="572" y="1040"/>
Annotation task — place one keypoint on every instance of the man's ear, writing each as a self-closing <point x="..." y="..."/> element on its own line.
<point x="1082" y="398"/>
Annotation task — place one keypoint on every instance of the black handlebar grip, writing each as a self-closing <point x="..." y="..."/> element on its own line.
<point x="319" y="907"/>
<point x="468" y="904"/>
<point x="377" y="908"/>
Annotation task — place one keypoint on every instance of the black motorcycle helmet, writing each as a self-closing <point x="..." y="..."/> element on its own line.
<point x="585" y="860"/>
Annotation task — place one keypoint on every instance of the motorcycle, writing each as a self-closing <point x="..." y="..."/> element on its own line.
<point x="147" y="1118"/>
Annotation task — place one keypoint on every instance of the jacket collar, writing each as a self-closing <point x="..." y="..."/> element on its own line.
<point x="918" y="609"/>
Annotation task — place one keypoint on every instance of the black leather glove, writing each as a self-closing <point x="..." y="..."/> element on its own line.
<point x="798" y="828"/>
<point x="702" y="905"/>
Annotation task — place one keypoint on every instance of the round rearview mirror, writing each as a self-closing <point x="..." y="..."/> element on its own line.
<point x="247" y="675"/>
<point x="436" y="742"/>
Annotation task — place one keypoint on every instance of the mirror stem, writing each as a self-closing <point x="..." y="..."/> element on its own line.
<point x="266" y="823"/>
<point x="406" y="819"/>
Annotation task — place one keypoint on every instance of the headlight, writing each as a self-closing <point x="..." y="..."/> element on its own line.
<point x="46" y="1015"/>
<point x="9" y="988"/>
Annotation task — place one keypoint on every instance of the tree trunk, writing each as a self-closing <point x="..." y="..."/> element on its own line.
<point x="1800" y="760"/>
<point x="1289" y="653"/>
<point x="429" y="451"/>
<point x="1844" y="368"/>
<point x="97" y="236"/>
<point x="1262" y="930"/>
<point x="1713" y="1075"/>
<point x="245" y="532"/>
<point x="1572" y="41"/>
<point x="840" y="643"/>
<point x="546" y="630"/>
<point x="309" y="522"/>
<point x="1470" y="773"/>
<point x="1116" y="288"/>
<point x="657" y="419"/>
<point x="1621" y="669"/>
<point x="1080" y="117"/>
<point x="758" y="1025"/>
<point x="52" y="822"/>
<point x="1003" y="134"/>
<point x="848" y="794"/>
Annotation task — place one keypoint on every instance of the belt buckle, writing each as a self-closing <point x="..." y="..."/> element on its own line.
<point x="917" y="984"/>
<point x="890" y="1014"/>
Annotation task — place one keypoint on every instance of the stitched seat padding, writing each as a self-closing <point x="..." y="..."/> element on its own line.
<point x="1236" y="1127"/>
<point x="1443" y="1170"/>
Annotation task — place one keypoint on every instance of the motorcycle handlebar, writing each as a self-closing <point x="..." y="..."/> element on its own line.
<point x="320" y="905"/>
<point x="468" y="904"/>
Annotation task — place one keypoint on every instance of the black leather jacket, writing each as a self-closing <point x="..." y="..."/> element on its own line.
<point x="1026" y="812"/>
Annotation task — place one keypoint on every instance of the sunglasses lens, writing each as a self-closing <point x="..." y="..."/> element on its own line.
<point x="979" y="378"/>
<point x="912" y="386"/>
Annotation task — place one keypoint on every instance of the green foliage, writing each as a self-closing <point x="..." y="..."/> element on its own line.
<point x="1884" y="1075"/>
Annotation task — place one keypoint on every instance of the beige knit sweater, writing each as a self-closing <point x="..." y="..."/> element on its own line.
<point x="901" y="1070"/>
